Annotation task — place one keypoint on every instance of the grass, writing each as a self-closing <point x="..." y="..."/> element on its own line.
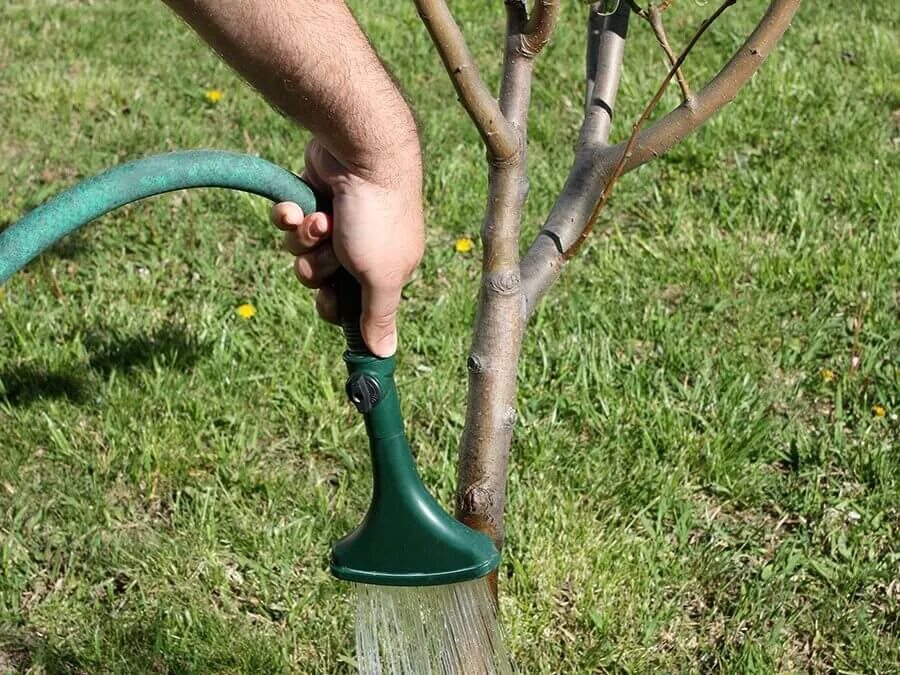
<point x="700" y="479"/>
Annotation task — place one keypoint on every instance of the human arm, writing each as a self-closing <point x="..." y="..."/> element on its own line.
<point x="310" y="59"/>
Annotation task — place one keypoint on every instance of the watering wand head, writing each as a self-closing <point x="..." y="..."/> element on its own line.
<point x="405" y="538"/>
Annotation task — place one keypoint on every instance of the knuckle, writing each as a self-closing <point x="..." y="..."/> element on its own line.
<point x="305" y="273"/>
<point x="283" y="212"/>
<point x="307" y="235"/>
<point x="384" y="319"/>
<point x="323" y="307"/>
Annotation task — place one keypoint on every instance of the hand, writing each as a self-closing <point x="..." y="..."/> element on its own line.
<point x="376" y="231"/>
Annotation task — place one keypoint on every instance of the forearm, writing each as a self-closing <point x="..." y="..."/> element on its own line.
<point x="310" y="59"/>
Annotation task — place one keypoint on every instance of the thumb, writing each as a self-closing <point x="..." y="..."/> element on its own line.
<point x="379" y="318"/>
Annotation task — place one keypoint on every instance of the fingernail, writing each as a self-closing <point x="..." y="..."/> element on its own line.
<point x="319" y="228"/>
<point x="387" y="345"/>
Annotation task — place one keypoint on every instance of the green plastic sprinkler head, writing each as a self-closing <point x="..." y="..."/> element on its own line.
<point x="406" y="538"/>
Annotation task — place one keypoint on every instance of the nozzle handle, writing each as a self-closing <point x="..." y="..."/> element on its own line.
<point x="349" y="299"/>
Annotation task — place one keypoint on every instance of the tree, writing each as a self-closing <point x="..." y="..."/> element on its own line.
<point x="511" y="287"/>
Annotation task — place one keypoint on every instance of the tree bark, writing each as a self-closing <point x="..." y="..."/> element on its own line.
<point x="606" y="37"/>
<point x="500" y="320"/>
<point x="592" y="168"/>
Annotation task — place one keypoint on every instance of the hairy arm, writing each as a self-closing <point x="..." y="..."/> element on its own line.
<point x="311" y="60"/>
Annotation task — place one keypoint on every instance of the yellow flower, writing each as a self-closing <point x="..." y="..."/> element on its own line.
<point x="213" y="96"/>
<point x="464" y="245"/>
<point x="827" y="375"/>
<point x="246" y="311"/>
<point x="878" y="410"/>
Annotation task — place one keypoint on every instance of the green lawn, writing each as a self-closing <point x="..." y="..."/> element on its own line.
<point x="700" y="480"/>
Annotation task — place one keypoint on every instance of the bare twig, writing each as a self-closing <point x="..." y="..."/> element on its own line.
<point x="629" y="147"/>
<point x="662" y="7"/>
<point x="592" y="168"/>
<point x="605" y="52"/>
<point x="498" y="135"/>
<point x="722" y="89"/>
<point x="654" y="18"/>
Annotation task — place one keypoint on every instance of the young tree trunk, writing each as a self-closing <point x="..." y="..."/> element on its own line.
<point x="492" y="361"/>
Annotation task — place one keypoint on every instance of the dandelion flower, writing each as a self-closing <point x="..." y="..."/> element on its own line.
<point x="213" y="96"/>
<point x="878" y="411"/>
<point x="827" y="375"/>
<point x="464" y="245"/>
<point x="246" y="311"/>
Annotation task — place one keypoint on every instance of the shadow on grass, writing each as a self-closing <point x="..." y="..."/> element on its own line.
<point x="32" y="654"/>
<point x="145" y="646"/>
<point x="27" y="384"/>
<point x="170" y="346"/>
<point x="69" y="248"/>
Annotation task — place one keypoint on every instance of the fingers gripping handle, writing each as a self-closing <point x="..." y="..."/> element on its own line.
<point x="47" y="224"/>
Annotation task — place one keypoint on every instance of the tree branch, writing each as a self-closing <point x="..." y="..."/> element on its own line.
<point x="540" y="26"/>
<point x="500" y="138"/>
<point x="629" y="146"/>
<point x="592" y="170"/>
<point x="603" y="60"/>
<point x="654" y="18"/>
<point x="518" y="67"/>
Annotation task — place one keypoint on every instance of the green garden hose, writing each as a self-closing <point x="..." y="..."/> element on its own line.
<point x="405" y="539"/>
<point x="130" y="182"/>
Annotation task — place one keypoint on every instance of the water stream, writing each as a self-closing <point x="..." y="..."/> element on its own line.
<point x="430" y="630"/>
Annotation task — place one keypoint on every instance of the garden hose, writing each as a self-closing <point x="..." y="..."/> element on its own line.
<point x="130" y="182"/>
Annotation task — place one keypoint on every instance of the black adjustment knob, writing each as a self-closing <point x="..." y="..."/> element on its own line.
<point x="363" y="391"/>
